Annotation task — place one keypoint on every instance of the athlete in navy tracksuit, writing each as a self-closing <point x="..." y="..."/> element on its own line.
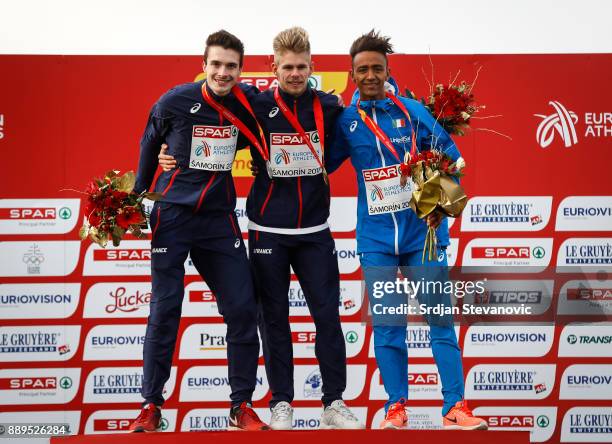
<point x="196" y="218"/>
<point x="288" y="227"/>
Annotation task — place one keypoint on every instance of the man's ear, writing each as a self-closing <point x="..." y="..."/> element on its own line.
<point x="274" y="67"/>
<point x="353" y="75"/>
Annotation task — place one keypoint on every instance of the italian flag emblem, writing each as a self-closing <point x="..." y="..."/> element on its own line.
<point x="399" y="123"/>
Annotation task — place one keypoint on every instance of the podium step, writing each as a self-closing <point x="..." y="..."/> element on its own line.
<point x="306" y="437"/>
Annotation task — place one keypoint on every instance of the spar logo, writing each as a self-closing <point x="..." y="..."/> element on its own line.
<point x="215" y="132"/>
<point x="539" y="421"/>
<point x="561" y="124"/>
<point x="126" y="254"/>
<point x="34" y="383"/>
<point x="38" y="385"/>
<point x="282" y="157"/>
<point x="204" y="148"/>
<point x="377" y="193"/>
<point x="118" y="421"/>
<point x="508" y="252"/>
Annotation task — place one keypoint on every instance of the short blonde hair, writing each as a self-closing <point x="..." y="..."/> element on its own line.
<point x="293" y="39"/>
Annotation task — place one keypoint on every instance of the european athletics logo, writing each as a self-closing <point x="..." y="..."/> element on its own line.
<point x="562" y="122"/>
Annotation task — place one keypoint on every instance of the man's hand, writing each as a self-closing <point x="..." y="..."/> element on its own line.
<point x="254" y="169"/>
<point x="434" y="219"/>
<point x="340" y="99"/>
<point x="166" y="161"/>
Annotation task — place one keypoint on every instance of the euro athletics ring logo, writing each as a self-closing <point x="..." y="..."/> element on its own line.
<point x="377" y="192"/>
<point x="562" y="122"/>
<point x="282" y="157"/>
<point x="205" y="148"/>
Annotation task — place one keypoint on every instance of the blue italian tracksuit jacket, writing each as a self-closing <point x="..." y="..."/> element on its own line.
<point x="401" y="231"/>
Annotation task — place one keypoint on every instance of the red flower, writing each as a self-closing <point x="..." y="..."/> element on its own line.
<point x="94" y="219"/>
<point x="129" y="216"/>
<point x="405" y="169"/>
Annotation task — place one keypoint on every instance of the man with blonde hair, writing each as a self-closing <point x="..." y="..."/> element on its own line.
<point x="288" y="208"/>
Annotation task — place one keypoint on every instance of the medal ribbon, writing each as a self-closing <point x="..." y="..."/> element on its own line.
<point x="292" y="119"/>
<point x="263" y="151"/>
<point x="380" y="134"/>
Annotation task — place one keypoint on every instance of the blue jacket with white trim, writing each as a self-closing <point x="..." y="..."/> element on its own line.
<point x="402" y="231"/>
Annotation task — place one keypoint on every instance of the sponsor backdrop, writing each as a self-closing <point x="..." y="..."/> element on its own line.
<point x="73" y="315"/>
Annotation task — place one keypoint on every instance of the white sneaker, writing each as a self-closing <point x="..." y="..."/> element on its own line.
<point x="282" y="416"/>
<point x="338" y="416"/>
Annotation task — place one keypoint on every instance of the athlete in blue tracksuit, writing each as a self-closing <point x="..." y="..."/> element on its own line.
<point x="288" y="228"/>
<point x="388" y="238"/>
<point x="196" y="218"/>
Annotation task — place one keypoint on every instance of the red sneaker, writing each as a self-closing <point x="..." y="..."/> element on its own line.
<point x="149" y="419"/>
<point x="396" y="417"/>
<point x="460" y="417"/>
<point x="243" y="417"/>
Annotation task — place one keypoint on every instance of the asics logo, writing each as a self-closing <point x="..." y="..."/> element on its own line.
<point x="273" y="112"/>
<point x="562" y="122"/>
<point x="195" y="108"/>
<point x="353" y="126"/>
<point x="237" y="243"/>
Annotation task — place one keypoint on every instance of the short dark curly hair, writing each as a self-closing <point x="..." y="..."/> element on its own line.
<point x="225" y="40"/>
<point x="372" y="41"/>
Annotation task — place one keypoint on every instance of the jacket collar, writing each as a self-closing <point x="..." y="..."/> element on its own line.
<point x="366" y="105"/>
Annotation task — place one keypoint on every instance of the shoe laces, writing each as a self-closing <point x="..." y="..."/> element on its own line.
<point x="397" y="407"/>
<point x="463" y="408"/>
<point x="341" y="408"/>
<point x="146" y="413"/>
<point x="281" y="411"/>
<point x="247" y="410"/>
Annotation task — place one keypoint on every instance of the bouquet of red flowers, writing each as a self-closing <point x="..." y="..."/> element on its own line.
<point x="432" y="173"/>
<point x="113" y="209"/>
<point x="452" y="106"/>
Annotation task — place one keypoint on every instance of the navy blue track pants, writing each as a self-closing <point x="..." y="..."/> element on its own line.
<point x="218" y="253"/>
<point x="313" y="258"/>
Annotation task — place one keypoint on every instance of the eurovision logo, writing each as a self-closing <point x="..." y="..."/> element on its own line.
<point x="585" y="213"/>
<point x="38" y="301"/>
<point x="592" y="381"/>
<point x="211" y="383"/>
<point x="507" y="340"/>
<point x="109" y="343"/>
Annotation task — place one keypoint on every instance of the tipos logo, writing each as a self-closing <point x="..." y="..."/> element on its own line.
<point x="562" y="122"/>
